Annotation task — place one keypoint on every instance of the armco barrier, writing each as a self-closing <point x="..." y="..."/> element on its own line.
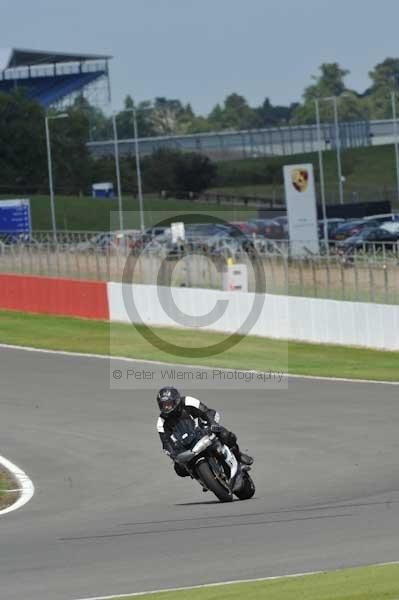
<point x="46" y="295"/>
<point x="283" y="317"/>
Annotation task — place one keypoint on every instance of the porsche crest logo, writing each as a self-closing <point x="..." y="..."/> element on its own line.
<point x="300" y="179"/>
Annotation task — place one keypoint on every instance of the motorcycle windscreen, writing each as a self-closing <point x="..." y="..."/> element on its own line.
<point x="186" y="434"/>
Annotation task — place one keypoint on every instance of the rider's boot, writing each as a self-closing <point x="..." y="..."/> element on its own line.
<point x="244" y="459"/>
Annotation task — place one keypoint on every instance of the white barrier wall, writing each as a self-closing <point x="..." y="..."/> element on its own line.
<point x="282" y="317"/>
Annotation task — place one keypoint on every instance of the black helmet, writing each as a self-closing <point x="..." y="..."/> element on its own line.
<point x="169" y="400"/>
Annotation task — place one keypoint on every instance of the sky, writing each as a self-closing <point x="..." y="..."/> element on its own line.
<point x="199" y="51"/>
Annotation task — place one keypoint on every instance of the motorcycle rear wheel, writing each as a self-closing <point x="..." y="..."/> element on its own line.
<point x="209" y="479"/>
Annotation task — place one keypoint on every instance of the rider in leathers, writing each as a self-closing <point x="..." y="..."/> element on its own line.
<point x="174" y="407"/>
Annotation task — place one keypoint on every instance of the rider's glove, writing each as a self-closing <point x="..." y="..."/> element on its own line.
<point x="216" y="428"/>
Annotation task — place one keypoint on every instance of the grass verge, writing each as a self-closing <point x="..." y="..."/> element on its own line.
<point x="77" y="335"/>
<point x="75" y="213"/>
<point x="370" y="583"/>
<point x="7" y="483"/>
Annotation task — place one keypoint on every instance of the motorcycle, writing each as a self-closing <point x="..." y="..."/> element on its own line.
<point x="210" y="462"/>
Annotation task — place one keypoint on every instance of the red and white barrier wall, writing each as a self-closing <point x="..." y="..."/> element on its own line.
<point x="282" y="317"/>
<point x="47" y="295"/>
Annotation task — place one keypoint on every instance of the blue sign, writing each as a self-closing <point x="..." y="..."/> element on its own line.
<point x="15" y="216"/>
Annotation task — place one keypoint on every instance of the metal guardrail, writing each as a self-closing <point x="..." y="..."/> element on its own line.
<point x="371" y="273"/>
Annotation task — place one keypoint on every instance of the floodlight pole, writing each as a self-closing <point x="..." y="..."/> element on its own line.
<point x="138" y="166"/>
<point x="138" y="169"/>
<point x="321" y="171"/>
<point x="118" y="172"/>
<point x="333" y="99"/>
<point x="396" y="140"/>
<point x="50" y="170"/>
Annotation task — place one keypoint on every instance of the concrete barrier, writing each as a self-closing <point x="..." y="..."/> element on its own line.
<point x="48" y="295"/>
<point x="282" y="317"/>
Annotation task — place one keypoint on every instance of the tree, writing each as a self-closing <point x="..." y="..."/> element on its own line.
<point x="71" y="156"/>
<point x="329" y="83"/>
<point x="235" y="114"/>
<point x="173" y="171"/>
<point x="385" y="79"/>
<point x="275" y="115"/>
<point x="22" y="142"/>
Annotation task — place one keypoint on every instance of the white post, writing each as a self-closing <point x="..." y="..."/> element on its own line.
<point x="118" y="173"/>
<point x="321" y="170"/>
<point x="395" y="130"/>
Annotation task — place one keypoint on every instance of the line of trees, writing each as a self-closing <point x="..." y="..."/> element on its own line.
<point x="23" y="161"/>
<point x="23" y="155"/>
<point x="170" y="116"/>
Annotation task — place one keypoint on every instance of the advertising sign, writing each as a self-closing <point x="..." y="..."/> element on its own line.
<point x="15" y="216"/>
<point x="301" y="209"/>
<point x="178" y="232"/>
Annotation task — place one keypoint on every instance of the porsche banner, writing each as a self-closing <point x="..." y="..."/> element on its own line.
<point x="301" y="209"/>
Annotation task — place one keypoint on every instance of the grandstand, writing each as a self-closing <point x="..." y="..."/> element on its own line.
<point x="54" y="78"/>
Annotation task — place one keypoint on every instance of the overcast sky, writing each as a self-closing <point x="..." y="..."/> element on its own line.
<point x="201" y="50"/>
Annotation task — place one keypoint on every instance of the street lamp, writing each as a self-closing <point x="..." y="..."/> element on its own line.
<point x="321" y="170"/>
<point x="333" y="99"/>
<point x="118" y="173"/>
<point x="138" y="167"/>
<point x="396" y="141"/>
<point x="50" y="169"/>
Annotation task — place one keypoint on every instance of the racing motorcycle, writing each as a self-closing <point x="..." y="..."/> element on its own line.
<point x="210" y="462"/>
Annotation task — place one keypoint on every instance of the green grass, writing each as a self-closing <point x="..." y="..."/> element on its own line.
<point x="368" y="168"/>
<point x="370" y="583"/>
<point x="6" y="483"/>
<point x="77" y="335"/>
<point x="87" y="214"/>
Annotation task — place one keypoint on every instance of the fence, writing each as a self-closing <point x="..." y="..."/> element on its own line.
<point x="228" y="145"/>
<point x="369" y="274"/>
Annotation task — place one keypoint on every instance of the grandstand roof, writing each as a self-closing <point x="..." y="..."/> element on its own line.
<point x="20" y="57"/>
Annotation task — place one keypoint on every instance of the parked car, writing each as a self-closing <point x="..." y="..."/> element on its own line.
<point x="244" y="226"/>
<point x="332" y="225"/>
<point x="283" y="220"/>
<point x="393" y="227"/>
<point x="99" y="243"/>
<point x="352" y="227"/>
<point x="369" y="238"/>
<point x="269" y="228"/>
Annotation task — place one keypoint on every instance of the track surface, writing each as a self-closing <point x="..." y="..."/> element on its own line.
<point x="109" y="516"/>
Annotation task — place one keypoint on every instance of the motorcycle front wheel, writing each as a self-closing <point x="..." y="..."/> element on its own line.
<point x="209" y="479"/>
<point x="247" y="490"/>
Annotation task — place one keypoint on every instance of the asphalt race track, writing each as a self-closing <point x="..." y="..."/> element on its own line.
<point x="109" y="516"/>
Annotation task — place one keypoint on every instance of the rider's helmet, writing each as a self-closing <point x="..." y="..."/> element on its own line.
<point x="169" y="400"/>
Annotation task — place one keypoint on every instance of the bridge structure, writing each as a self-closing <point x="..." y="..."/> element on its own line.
<point x="230" y="145"/>
<point x="55" y="79"/>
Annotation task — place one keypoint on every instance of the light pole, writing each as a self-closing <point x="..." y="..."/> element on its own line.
<point x="118" y="172"/>
<point x="333" y="99"/>
<point x="138" y="169"/>
<point x="396" y="141"/>
<point x="50" y="170"/>
<point x="321" y="170"/>
<point x="138" y="166"/>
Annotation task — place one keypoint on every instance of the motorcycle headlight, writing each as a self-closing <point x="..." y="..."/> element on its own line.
<point x="202" y="445"/>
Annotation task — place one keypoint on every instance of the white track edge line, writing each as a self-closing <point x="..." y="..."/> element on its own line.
<point x="222" y="583"/>
<point x="27" y="487"/>
<point x="189" y="366"/>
